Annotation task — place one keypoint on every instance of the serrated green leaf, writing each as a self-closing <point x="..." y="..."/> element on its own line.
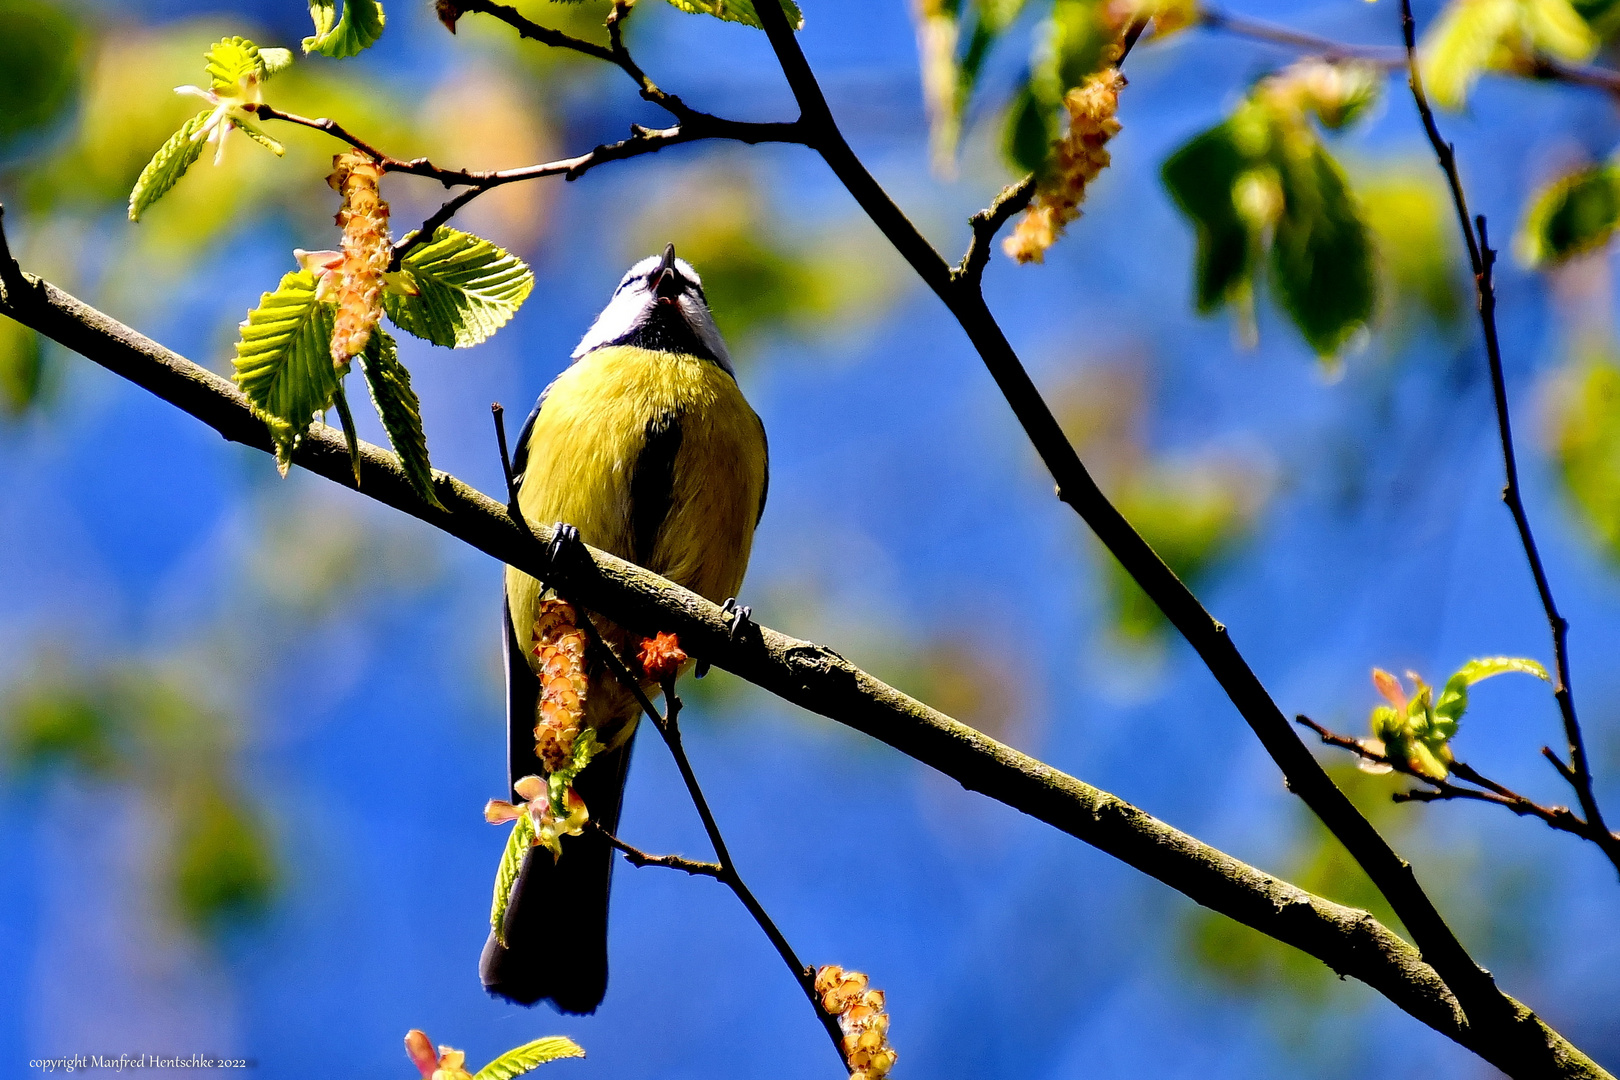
<point x="254" y="132"/>
<point x="358" y="29"/>
<point x="1201" y="177"/>
<point x="739" y="11"/>
<point x="586" y="747"/>
<point x="530" y="1056"/>
<point x="1571" y="216"/>
<point x="232" y="60"/>
<point x="1322" y="265"/>
<point x="284" y="360"/>
<point x="1479" y="670"/>
<point x="351" y="435"/>
<point x="168" y="165"/>
<point x="467" y="289"/>
<point x="518" y="843"/>
<point x="400" y="410"/>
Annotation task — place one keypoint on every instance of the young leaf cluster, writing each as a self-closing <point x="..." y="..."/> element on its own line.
<point x="1418" y="729"/>
<point x="1262" y="190"/>
<point x="236" y="69"/>
<point x="465" y="288"/>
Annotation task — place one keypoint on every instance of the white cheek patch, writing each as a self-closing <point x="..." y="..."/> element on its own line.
<point x="621" y="316"/>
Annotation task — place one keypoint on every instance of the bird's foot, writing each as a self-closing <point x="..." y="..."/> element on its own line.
<point x="565" y="547"/>
<point x="741" y="620"/>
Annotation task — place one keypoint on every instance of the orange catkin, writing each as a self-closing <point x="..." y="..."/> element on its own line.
<point x="559" y="648"/>
<point x="367" y="251"/>
<point x="859" y="1009"/>
<point x="1077" y="159"/>
<point x="662" y="656"/>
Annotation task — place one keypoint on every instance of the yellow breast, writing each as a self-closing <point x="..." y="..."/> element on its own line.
<point x="583" y="451"/>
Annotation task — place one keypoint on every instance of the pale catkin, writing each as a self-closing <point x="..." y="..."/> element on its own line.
<point x="367" y="251"/>
<point x="559" y="650"/>
<point x="1077" y="159"/>
<point x="859" y="1009"/>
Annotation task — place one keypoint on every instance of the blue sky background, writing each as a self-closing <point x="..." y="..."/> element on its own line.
<point x="908" y="518"/>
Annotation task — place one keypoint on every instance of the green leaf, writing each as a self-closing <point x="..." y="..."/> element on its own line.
<point x="467" y="289"/>
<point x="284" y="361"/>
<point x="168" y="165"/>
<point x="586" y="747"/>
<point x="350" y="434"/>
<point x="253" y="131"/>
<point x="1463" y="42"/>
<point x="1031" y="130"/>
<point x="22" y="369"/>
<point x="1479" y="670"/>
<point x="1322" y="263"/>
<point x="232" y="60"/>
<point x="1473" y="36"/>
<point x="400" y="410"/>
<point x="741" y="11"/>
<point x="1077" y="33"/>
<point x="530" y="1056"/>
<point x="40" y="46"/>
<point x="518" y="844"/>
<point x="1571" y="216"/>
<point x="1557" y="29"/>
<point x="1201" y="177"/>
<point x="1454" y="698"/>
<point x="358" y="29"/>
<point x="274" y="60"/>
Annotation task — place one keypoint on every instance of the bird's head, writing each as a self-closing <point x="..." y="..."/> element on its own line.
<point x="659" y="305"/>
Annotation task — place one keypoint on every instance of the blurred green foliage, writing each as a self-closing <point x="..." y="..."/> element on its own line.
<point x="23" y="370"/>
<point x="1194" y="510"/>
<point x="1584" y="429"/>
<point x="1573" y="215"/>
<point x="1193" y="516"/>
<point x="1473" y="36"/>
<point x="143" y="729"/>
<point x="1262" y="182"/>
<point x="40" y="46"/>
<point x="1419" y="258"/>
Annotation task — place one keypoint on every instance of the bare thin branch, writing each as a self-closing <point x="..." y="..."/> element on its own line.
<point x="986" y="223"/>
<point x="1560" y="818"/>
<point x="1482" y="258"/>
<point x="638" y="858"/>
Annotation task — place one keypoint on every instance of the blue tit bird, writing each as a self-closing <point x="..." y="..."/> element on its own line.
<point x="646" y="445"/>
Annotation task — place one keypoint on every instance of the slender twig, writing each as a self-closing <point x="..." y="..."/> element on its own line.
<point x="986" y="223"/>
<point x="1560" y="818"/>
<point x="669" y="728"/>
<point x="638" y="858"/>
<point x="1391" y="57"/>
<point x="12" y="283"/>
<point x="1305" y="776"/>
<point x="512" y="507"/>
<point x="1482" y="258"/>
<point x="1349" y="941"/>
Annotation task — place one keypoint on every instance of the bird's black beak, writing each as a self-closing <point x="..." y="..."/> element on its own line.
<point x="667" y="282"/>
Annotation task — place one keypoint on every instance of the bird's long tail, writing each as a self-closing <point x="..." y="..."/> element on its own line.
<point x="556" y="919"/>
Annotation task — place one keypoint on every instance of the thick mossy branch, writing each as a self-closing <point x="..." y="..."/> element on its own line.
<point x="1349" y="941"/>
